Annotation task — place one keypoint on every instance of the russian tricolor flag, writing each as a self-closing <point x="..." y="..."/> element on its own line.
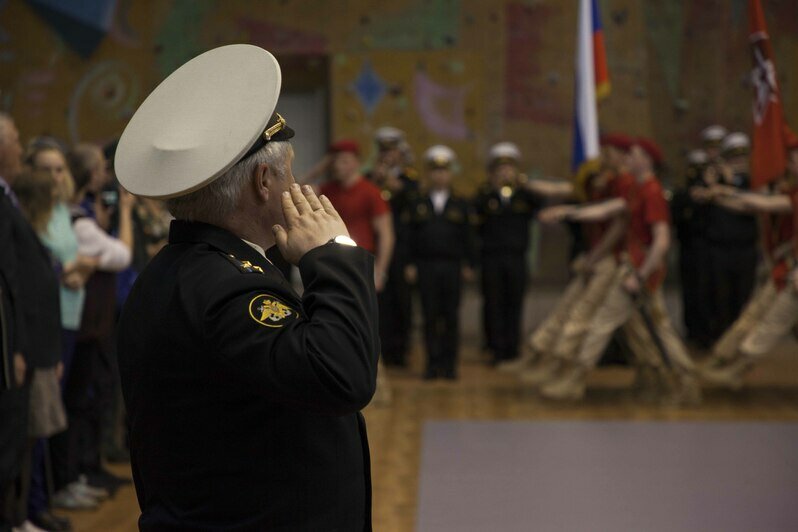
<point x="592" y="82"/>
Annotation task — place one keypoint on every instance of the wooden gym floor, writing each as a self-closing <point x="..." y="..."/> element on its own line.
<point x="481" y="393"/>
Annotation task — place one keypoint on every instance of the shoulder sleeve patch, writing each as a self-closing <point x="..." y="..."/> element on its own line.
<point x="270" y="311"/>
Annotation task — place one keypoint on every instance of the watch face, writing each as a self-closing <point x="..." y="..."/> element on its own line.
<point x="345" y="240"/>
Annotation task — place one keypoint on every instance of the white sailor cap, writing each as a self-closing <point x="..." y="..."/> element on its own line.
<point x="697" y="157"/>
<point x="735" y="144"/>
<point x="209" y="114"/>
<point x="439" y="156"/>
<point x="713" y="134"/>
<point x="388" y="137"/>
<point x="504" y="152"/>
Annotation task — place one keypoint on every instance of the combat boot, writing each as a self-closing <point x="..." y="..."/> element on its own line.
<point x="728" y="373"/>
<point x="528" y="358"/>
<point x="568" y="385"/>
<point x="648" y="384"/>
<point x="685" y="391"/>
<point x="542" y="372"/>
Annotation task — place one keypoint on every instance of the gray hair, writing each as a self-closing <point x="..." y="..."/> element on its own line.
<point x="213" y="203"/>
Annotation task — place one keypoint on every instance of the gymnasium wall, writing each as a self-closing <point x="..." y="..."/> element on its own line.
<point x="462" y="72"/>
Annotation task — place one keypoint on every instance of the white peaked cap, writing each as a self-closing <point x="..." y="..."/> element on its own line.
<point x="200" y="121"/>
<point x="735" y="141"/>
<point x="697" y="157"/>
<point x="504" y="150"/>
<point x="714" y="133"/>
<point x="389" y="134"/>
<point x="439" y="155"/>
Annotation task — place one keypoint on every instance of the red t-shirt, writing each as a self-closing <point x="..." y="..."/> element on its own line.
<point x="647" y="208"/>
<point x="358" y="205"/>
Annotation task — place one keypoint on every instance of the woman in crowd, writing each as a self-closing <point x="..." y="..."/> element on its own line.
<point x="88" y="391"/>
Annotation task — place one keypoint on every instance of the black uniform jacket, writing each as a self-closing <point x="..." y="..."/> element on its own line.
<point x="12" y="326"/>
<point x="243" y="398"/>
<point x="504" y="225"/>
<point x="448" y="235"/>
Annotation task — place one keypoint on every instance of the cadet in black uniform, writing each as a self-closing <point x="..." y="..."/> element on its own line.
<point x="732" y="237"/>
<point x="399" y="185"/>
<point x="690" y="221"/>
<point x="504" y="211"/>
<point x="243" y="398"/>
<point x="441" y="253"/>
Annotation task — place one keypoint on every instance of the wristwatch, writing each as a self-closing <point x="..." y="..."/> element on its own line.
<point x="343" y="240"/>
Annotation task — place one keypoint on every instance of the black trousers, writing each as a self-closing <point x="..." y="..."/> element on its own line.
<point x="503" y="284"/>
<point x="439" y="285"/>
<point x="88" y="395"/>
<point x="14" y="456"/>
<point x="698" y="291"/>
<point x="395" y="304"/>
<point x="733" y="270"/>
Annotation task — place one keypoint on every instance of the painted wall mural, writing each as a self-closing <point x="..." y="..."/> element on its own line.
<point x="442" y="109"/>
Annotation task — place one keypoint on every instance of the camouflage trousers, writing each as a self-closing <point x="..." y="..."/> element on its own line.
<point x="619" y="310"/>
<point x="775" y="324"/>
<point x="562" y="331"/>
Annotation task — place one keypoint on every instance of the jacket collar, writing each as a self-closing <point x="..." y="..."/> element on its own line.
<point x="181" y="231"/>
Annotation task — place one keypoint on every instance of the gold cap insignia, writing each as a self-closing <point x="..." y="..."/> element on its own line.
<point x="269" y="311"/>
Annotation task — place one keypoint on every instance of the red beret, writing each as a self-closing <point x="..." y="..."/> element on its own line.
<point x="345" y="146"/>
<point x="651" y="148"/>
<point x="617" y="140"/>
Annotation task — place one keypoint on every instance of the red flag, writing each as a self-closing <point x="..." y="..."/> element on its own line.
<point x="768" y="154"/>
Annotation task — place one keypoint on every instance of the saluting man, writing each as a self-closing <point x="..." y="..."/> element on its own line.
<point x="440" y="254"/>
<point x="243" y="398"/>
<point x="504" y="212"/>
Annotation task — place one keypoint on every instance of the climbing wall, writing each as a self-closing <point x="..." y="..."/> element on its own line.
<point x="466" y="73"/>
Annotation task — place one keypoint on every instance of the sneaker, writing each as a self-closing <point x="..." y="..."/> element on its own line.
<point x="68" y="500"/>
<point x="106" y="480"/>
<point x="47" y="521"/>
<point x="84" y="488"/>
<point x="27" y="526"/>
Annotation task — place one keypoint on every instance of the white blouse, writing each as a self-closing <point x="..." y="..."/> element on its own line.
<point x="113" y="254"/>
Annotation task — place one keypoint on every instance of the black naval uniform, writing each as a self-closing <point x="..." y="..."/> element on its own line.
<point x="243" y="398"/>
<point x="395" y="300"/>
<point x="690" y="222"/>
<point x="439" y="245"/>
<point x="733" y="257"/>
<point x="503" y="227"/>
